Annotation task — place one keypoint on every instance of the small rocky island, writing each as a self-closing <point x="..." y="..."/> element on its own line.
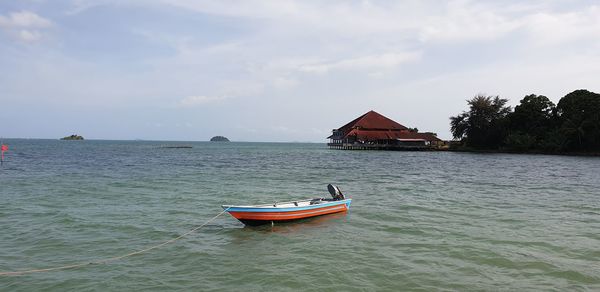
<point x="219" y="139"/>
<point x="72" y="137"/>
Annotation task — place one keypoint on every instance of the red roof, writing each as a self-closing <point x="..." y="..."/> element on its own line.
<point x="372" y="120"/>
<point x="373" y="135"/>
<point x="374" y="126"/>
<point x="425" y="136"/>
<point x="370" y="135"/>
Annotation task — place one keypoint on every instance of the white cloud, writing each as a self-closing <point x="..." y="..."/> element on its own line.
<point x="281" y="60"/>
<point x="463" y="20"/>
<point x="382" y="61"/>
<point x="554" y="28"/>
<point x="23" y="19"/>
<point x="79" y="6"/>
<point x="282" y="82"/>
<point x="427" y="21"/>
<point x="24" y="25"/>
<point x="197" y="100"/>
<point x="29" y="36"/>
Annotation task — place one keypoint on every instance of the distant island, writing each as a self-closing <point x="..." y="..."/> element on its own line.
<point x="72" y="137"/>
<point x="219" y="139"/>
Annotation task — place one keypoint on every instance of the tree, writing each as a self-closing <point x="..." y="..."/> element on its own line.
<point x="530" y="123"/>
<point x="533" y="115"/>
<point x="520" y="142"/>
<point x="579" y="117"/>
<point x="483" y="126"/>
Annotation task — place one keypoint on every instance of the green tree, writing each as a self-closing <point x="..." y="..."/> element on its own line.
<point x="484" y="124"/>
<point x="579" y="117"/>
<point x="520" y="141"/>
<point x="534" y="115"/>
<point x="530" y="123"/>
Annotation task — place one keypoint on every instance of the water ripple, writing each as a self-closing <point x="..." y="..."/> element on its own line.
<point x="419" y="221"/>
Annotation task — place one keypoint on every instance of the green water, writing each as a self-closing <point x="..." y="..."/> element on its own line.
<point x="419" y="220"/>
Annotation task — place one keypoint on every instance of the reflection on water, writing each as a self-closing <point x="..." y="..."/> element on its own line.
<point x="301" y="224"/>
<point x="241" y="234"/>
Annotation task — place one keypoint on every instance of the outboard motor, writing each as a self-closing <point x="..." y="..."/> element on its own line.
<point x="335" y="192"/>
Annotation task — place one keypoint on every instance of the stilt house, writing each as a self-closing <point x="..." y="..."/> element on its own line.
<point x="375" y="131"/>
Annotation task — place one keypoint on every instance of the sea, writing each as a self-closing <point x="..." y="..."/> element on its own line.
<point x="419" y="221"/>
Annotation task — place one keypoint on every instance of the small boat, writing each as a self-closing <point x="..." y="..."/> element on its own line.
<point x="254" y="215"/>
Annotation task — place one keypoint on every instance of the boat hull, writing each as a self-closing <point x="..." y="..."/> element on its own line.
<point x="259" y="216"/>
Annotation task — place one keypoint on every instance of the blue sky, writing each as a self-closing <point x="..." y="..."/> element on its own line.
<point x="279" y="70"/>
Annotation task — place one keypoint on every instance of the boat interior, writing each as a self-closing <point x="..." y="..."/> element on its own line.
<point x="291" y="204"/>
<point x="336" y="195"/>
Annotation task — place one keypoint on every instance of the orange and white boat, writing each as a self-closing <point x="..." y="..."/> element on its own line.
<point x="288" y="211"/>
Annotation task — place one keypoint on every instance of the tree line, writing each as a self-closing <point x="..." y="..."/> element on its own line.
<point x="535" y="125"/>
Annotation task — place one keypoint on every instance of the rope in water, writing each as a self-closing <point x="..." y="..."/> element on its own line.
<point x="107" y="260"/>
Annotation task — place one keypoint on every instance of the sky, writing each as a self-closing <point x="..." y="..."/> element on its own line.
<point x="279" y="71"/>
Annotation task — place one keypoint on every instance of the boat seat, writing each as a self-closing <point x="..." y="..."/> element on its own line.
<point x="315" y="201"/>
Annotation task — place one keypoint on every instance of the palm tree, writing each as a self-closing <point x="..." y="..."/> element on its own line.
<point x="482" y="125"/>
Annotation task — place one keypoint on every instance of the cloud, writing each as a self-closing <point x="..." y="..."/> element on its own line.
<point x="299" y="57"/>
<point x="24" y="19"/>
<point x="554" y="28"/>
<point x="387" y="60"/>
<point x="28" y="35"/>
<point x="80" y="6"/>
<point x="197" y="100"/>
<point x="425" y="21"/>
<point x="25" y="26"/>
<point x="467" y="22"/>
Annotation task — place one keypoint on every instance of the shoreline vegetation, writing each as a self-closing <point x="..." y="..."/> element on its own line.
<point x="507" y="151"/>
<point x="535" y="126"/>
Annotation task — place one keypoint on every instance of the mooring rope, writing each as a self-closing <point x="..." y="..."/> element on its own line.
<point x="111" y="259"/>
